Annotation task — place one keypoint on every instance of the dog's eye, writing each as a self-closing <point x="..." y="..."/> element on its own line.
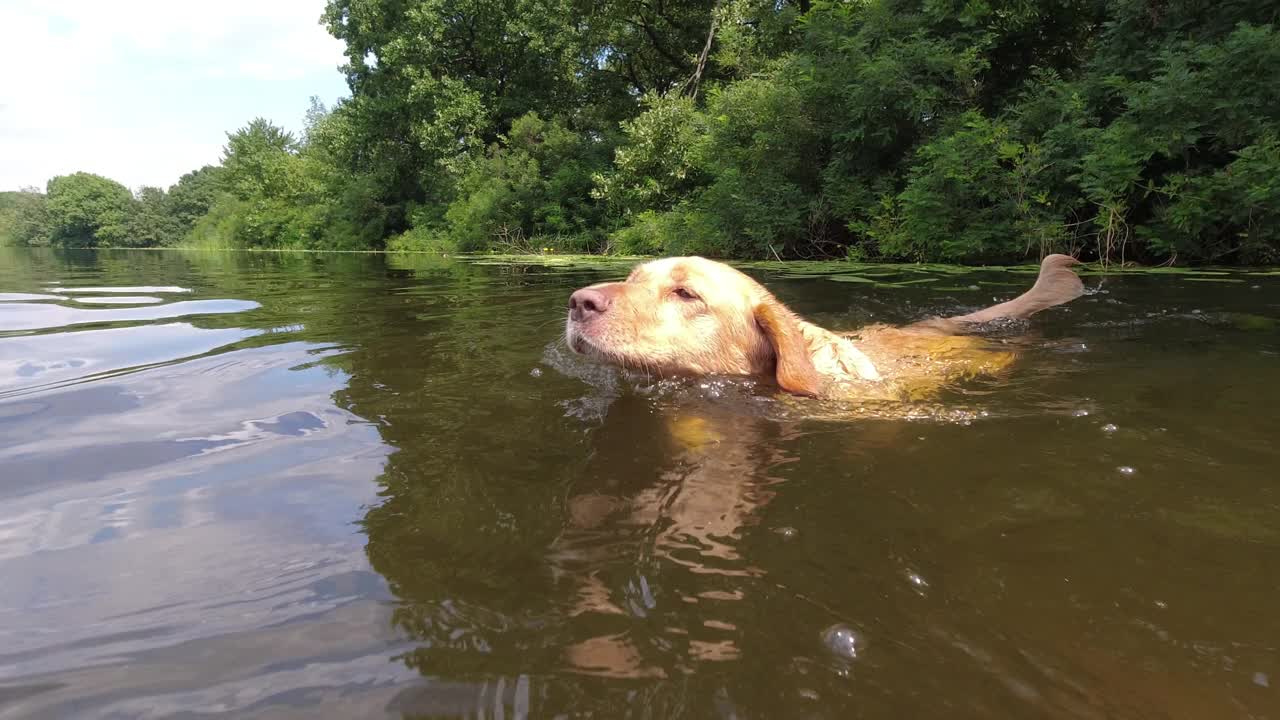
<point x="685" y="294"/>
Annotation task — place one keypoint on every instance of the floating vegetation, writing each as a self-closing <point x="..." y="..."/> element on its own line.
<point x="851" y="279"/>
<point x="1247" y="321"/>
<point x="879" y="275"/>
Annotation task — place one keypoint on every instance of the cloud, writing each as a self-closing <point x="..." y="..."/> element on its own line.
<point x="146" y="90"/>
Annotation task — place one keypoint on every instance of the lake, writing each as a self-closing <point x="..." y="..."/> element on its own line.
<point x="355" y="485"/>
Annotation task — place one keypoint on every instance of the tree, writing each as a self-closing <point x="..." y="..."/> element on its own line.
<point x="151" y="222"/>
<point x="534" y="185"/>
<point x="436" y="83"/>
<point x="878" y="129"/>
<point x="190" y="198"/>
<point x="87" y="210"/>
<point x="256" y="160"/>
<point x="24" y="218"/>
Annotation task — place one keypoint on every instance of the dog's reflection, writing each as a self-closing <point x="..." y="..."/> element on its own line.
<point x="652" y="548"/>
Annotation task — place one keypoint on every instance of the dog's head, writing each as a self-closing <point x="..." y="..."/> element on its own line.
<point x="691" y="316"/>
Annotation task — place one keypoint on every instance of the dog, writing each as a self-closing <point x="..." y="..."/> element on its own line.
<point x="693" y="316"/>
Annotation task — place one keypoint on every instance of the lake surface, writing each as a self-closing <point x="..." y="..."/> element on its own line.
<point x="300" y="486"/>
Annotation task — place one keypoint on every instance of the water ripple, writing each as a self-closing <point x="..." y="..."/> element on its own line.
<point x="38" y="316"/>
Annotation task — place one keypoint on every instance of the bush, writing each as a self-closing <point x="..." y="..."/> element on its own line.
<point x="976" y="193"/>
<point x="536" y="181"/>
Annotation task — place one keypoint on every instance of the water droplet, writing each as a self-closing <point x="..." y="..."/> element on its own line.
<point x="917" y="581"/>
<point x="787" y="532"/>
<point x="1126" y="470"/>
<point x="536" y="372"/>
<point x="843" y="641"/>
<point x="1109" y="428"/>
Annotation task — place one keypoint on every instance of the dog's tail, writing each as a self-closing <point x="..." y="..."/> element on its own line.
<point x="1057" y="285"/>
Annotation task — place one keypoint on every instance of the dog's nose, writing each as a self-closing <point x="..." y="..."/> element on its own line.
<point x="587" y="303"/>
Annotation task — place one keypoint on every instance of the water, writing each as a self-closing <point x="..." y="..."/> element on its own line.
<point x="272" y="485"/>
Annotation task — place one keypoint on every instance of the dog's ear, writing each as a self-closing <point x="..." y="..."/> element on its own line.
<point x="794" y="365"/>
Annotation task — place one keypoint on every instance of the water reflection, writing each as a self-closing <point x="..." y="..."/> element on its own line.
<point x="28" y="363"/>
<point x="379" y="487"/>
<point x="178" y="504"/>
<point x="40" y="316"/>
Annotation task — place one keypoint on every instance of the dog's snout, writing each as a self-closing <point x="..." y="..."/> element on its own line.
<point x="587" y="303"/>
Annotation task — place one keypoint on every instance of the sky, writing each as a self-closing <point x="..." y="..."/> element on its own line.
<point x="142" y="91"/>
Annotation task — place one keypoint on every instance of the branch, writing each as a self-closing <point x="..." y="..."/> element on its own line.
<point x="696" y="80"/>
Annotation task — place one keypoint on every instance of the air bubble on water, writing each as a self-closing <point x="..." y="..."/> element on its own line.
<point x="1126" y="470"/>
<point x="1261" y="680"/>
<point x="843" y="641"/>
<point x="787" y="532"/>
<point x="808" y="694"/>
<point x="536" y="372"/>
<point x="917" y="581"/>
<point x="1109" y="428"/>
<point x="1080" y="412"/>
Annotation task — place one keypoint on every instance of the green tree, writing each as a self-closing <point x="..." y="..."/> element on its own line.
<point x="87" y="210"/>
<point x="24" y="218"/>
<point x="892" y="129"/>
<point x="151" y="222"/>
<point x="534" y="186"/>
<point x="193" y="195"/>
<point x="256" y="160"/>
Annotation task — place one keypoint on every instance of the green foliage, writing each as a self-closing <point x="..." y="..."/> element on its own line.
<point x="221" y="227"/>
<point x="24" y="218"/>
<point x="87" y="210"/>
<point x="975" y="193"/>
<point x="970" y="133"/>
<point x="654" y="168"/>
<point x="535" y="182"/>
<point x="1234" y="211"/>
<point x="193" y="195"/>
<point x="150" y="222"/>
<point x="685" y="231"/>
<point x="878" y="130"/>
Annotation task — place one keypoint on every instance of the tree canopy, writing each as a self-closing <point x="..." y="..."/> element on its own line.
<point x="949" y="130"/>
